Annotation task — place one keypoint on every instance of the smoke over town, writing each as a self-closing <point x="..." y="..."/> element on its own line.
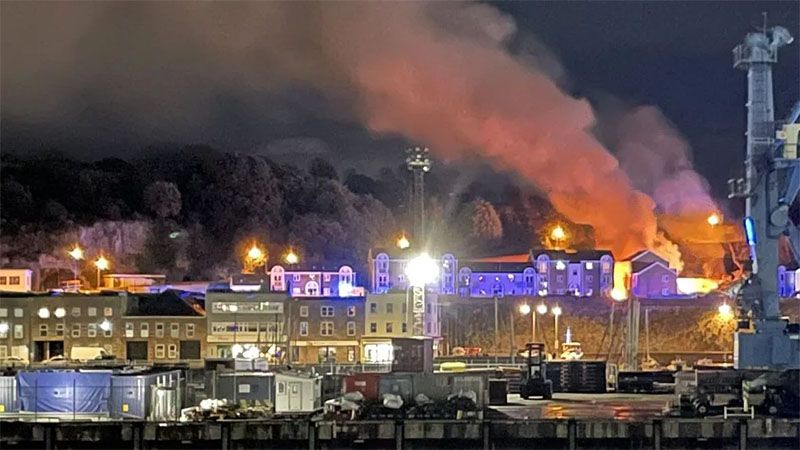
<point x="436" y="73"/>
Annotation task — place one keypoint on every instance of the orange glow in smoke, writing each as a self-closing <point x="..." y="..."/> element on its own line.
<point x="622" y="280"/>
<point x="696" y="285"/>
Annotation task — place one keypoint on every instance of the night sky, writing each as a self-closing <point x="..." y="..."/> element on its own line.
<point x="674" y="55"/>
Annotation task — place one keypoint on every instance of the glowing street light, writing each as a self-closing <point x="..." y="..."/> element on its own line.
<point x="524" y="309"/>
<point x="714" y="219"/>
<point x="422" y="270"/>
<point x="101" y="264"/>
<point x="255" y="253"/>
<point x="725" y="311"/>
<point x="403" y="243"/>
<point x="254" y="257"/>
<point x="76" y="253"/>
<point x="105" y="325"/>
<point x="542" y="308"/>
<point x="291" y="257"/>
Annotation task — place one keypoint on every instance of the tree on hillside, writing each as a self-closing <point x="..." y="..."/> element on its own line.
<point x="163" y="199"/>
<point x="485" y="223"/>
<point x="321" y="168"/>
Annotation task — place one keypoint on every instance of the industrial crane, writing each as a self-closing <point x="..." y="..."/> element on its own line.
<point x="771" y="184"/>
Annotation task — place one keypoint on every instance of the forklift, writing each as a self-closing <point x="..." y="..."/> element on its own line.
<point x="534" y="381"/>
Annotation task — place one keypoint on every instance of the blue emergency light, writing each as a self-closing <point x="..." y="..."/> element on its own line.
<point x="750" y="230"/>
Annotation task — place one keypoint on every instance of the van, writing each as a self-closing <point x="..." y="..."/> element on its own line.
<point x="88" y="353"/>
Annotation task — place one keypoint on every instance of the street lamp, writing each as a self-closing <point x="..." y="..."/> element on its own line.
<point x="76" y="254"/>
<point x="714" y="219"/>
<point x="525" y="309"/>
<point x="558" y="234"/>
<point x="403" y="242"/>
<point x="101" y="264"/>
<point x="725" y="311"/>
<point x="291" y="257"/>
<point x="556" y="312"/>
<point x="254" y="257"/>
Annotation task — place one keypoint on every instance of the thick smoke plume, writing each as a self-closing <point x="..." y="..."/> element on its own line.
<point x="435" y="73"/>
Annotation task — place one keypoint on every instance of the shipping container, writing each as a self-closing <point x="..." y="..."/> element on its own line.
<point x="64" y="391"/>
<point x="131" y="394"/>
<point x="297" y="393"/>
<point x="249" y="387"/>
<point x="9" y="402"/>
<point x="366" y="383"/>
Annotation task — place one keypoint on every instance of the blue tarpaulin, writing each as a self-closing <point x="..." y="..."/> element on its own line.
<point x="64" y="391"/>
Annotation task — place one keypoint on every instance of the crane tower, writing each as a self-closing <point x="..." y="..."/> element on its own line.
<point x="770" y="185"/>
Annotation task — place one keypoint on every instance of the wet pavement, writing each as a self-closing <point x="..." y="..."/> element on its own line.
<point x="623" y="407"/>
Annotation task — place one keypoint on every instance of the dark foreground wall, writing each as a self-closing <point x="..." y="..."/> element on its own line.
<point x="464" y="434"/>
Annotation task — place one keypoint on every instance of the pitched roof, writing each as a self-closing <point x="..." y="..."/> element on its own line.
<point x="167" y="303"/>
<point x="577" y="255"/>
<point x="516" y="258"/>
<point x="653" y="265"/>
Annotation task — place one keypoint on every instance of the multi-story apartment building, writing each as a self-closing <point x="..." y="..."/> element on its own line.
<point x="164" y="327"/>
<point x="388" y="317"/>
<point x="15" y="323"/>
<point x="60" y="322"/>
<point x="326" y="329"/>
<point x="315" y="281"/>
<point x="249" y="321"/>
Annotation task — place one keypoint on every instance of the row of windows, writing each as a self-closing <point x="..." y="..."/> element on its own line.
<point x="326" y="328"/>
<point x="373" y="327"/>
<point x="245" y="327"/>
<point x="74" y="311"/>
<point x="91" y="330"/>
<point x="327" y="311"/>
<point x="171" y="351"/>
<point x="373" y="308"/>
<point x="19" y="332"/>
<point x="144" y="329"/>
<point x="10" y="281"/>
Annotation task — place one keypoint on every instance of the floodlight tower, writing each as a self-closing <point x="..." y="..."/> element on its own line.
<point x="418" y="163"/>
<point x="770" y="185"/>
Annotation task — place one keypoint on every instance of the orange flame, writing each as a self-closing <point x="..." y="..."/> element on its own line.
<point x="622" y="280"/>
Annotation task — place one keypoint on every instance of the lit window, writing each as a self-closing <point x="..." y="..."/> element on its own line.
<point x="172" y="351"/>
<point x="159" y="329"/>
<point x="128" y="329"/>
<point x="3" y="312"/>
<point x="3" y="334"/>
<point x="144" y="330"/>
<point x="160" y="351"/>
<point x="589" y="266"/>
<point x="351" y="328"/>
<point x="303" y="328"/>
<point x="91" y="330"/>
<point x="189" y="330"/>
<point x="3" y="281"/>
<point x="76" y="312"/>
<point x="108" y="312"/>
<point x="17" y="312"/>
<point x="175" y="330"/>
<point x="91" y="311"/>
<point x="326" y="328"/>
<point x="373" y="327"/>
<point x="560" y="265"/>
<point x="304" y="311"/>
<point x="13" y="281"/>
<point x="19" y="332"/>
